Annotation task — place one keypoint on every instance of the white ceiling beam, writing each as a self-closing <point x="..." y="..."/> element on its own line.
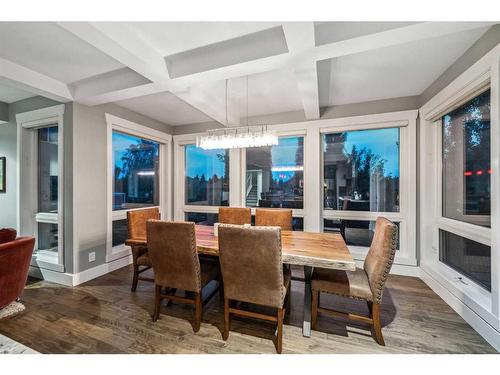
<point x="26" y="79"/>
<point x="119" y="42"/>
<point x="300" y="37"/>
<point x="393" y="37"/>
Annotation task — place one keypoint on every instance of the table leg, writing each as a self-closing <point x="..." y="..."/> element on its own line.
<point x="306" y="327"/>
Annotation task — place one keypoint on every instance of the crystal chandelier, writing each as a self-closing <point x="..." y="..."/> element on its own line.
<point x="237" y="137"/>
<point x="255" y="136"/>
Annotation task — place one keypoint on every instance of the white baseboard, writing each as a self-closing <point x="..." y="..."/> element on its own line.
<point x="52" y="276"/>
<point x="490" y="334"/>
<point x="92" y="273"/>
<point x="81" y="277"/>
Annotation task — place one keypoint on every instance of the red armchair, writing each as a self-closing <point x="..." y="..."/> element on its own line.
<point x="15" y="259"/>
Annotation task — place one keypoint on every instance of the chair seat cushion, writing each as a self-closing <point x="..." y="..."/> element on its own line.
<point x="349" y="284"/>
<point x="143" y="260"/>
<point x="209" y="271"/>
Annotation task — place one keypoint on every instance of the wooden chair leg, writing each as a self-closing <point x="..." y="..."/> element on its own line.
<point x="198" y="311"/>
<point x="156" y="314"/>
<point x="279" y="336"/>
<point x="135" y="278"/>
<point x="377" y="326"/>
<point x="370" y="308"/>
<point x="221" y="290"/>
<point x="227" y="320"/>
<point x="314" y="308"/>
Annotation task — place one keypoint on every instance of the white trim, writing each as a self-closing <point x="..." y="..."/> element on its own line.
<point x="103" y="269"/>
<point x="81" y="277"/>
<point x="489" y="333"/>
<point x="115" y="123"/>
<point x="40" y="117"/>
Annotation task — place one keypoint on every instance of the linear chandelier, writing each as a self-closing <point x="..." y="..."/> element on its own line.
<point x="254" y="136"/>
<point x="237" y="137"/>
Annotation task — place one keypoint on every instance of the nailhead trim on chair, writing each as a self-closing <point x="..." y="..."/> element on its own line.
<point x="378" y="297"/>
<point x="195" y="255"/>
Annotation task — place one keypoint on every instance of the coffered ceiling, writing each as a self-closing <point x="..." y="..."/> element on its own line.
<point x="175" y="72"/>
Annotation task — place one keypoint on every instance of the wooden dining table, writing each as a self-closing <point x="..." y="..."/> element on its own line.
<point x="306" y="249"/>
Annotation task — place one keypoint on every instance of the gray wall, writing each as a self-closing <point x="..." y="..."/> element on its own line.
<point x="90" y="178"/>
<point x="8" y="210"/>
<point x="4" y="112"/>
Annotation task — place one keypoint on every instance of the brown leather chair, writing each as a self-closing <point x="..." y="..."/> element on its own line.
<point x="235" y="215"/>
<point x="252" y="270"/>
<point x="15" y="259"/>
<point x="273" y="217"/>
<point x="365" y="284"/>
<point x="173" y="254"/>
<point x="137" y="230"/>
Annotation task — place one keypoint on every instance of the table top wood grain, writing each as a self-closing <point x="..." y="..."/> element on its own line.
<point x="324" y="250"/>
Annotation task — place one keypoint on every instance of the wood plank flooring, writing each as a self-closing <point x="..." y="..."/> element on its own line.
<point x="104" y="316"/>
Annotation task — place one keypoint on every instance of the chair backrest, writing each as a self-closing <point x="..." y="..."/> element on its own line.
<point x="251" y="264"/>
<point x="380" y="257"/>
<point x="172" y="250"/>
<point x="235" y="215"/>
<point x="137" y="221"/>
<point x="273" y="218"/>
<point x="15" y="259"/>
<point x="7" y="235"/>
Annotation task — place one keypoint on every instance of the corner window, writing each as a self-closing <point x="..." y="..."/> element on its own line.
<point x="361" y="170"/>
<point x="207" y="177"/>
<point x="466" y="162"/>
<point x="275" y="175"/>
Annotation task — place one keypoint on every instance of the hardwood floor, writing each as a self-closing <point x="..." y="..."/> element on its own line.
<point x="104" y="316"/>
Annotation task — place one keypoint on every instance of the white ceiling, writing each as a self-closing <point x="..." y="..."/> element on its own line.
<point x="47" y="48"/>
<point x="310" y="65"/>
<point x="397" y="71"/>
<point x="174" y="37"/>
<point x="165" y="107"/>
<point x="10" y="94"/>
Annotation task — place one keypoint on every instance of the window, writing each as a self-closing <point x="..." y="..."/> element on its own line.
<point x="207" y="177"/>
<point x="48" y="169"/>
<point x="468" y="257"/>
<point x="275" y="174"/>
<point x="361" y="170"/>
<point x="48" y="192"/>
<point x="466" y="188"/>
<point x="120" y="232"/>
<point x="354" y="232"/>
<point x="202" y="218"/>
<point x="466" y="162"/>
<point x="135" y="172"/>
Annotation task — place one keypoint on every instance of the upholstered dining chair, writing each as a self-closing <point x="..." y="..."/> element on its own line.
<point x="252" y="270"/>
<point x="365" y="284"/>
<point x="137" y="229"/>
<point x="173" y="254"/>
<point x="235" y="215"/>
<point x="275" y="217"/>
